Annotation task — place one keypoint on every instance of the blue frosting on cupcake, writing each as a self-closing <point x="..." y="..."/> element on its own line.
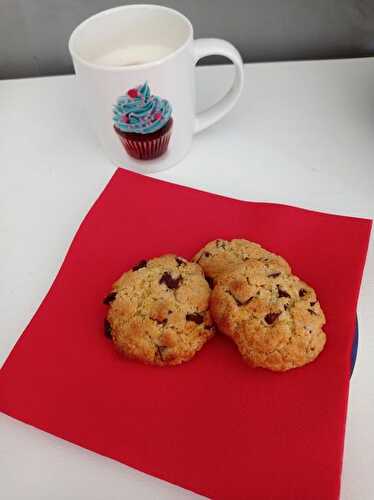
<point x="140" y="112"/>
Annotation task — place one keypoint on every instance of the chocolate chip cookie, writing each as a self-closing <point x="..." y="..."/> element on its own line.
<point x="222" y="256"/>
<point x="274" y="318"/>
<point x="158" y="311"/>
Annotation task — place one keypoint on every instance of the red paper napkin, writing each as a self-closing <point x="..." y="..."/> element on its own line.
<point x="212" y="425"/>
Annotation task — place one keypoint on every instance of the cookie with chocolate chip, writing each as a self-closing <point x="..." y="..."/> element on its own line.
<point x="158" y="311"/>
<point x="222" y="256"/>
<point x="274" y="318"/>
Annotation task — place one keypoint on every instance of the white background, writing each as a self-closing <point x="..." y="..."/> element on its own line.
<point x="302" y="134"/>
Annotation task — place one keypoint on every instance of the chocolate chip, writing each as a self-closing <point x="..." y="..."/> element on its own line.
<point x="107" y="329"/>
<point x="207" y="254"/>
<point x="220" y="244"/>
<point x="312" y="312"/>
<point x="273" y="275"/>
<point x="109" y="298"/>
<point x="160" y="321"/>
<point x="285" y="307"/>
<point x="302" y="292"/>
<point x="139" y="265"/>
<point x="169" y="281"/>
<point x="282" y="293"/>
<point x="313" y="303"/>
<point x="180" y="262"/>
<point x="210" y="282"/>
<point x="271" y="317"/>
<point x="195" y="317"/>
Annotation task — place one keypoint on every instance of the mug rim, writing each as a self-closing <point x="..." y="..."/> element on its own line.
<point x="130" y="67"/>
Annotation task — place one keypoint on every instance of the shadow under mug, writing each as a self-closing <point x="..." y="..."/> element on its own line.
<point x="144" y="114"/>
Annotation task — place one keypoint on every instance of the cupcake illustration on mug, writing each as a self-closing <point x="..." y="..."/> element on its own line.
<point x="143" y="123"/>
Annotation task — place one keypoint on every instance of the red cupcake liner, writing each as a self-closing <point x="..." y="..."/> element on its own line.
<point x="146" y="147"/>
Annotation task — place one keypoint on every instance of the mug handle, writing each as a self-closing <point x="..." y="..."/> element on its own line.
<point x="214" y="46"/>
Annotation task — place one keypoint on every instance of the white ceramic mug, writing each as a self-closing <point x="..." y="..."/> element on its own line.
<point x="135" y="67"/>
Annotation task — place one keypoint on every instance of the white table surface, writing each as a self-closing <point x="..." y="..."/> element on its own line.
<point x="302" y="134"/>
